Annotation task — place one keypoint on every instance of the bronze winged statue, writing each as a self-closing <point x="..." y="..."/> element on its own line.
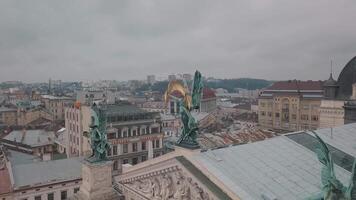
<point x="189" y="102"/>
<point x="98" y="138"/>
<point x="332" y="188"/>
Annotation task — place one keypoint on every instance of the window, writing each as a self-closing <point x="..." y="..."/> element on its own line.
<point x="134" y="161"/>
<point x="125" y="148"/>
<point x="269" y="114"/>
<point x="134" y="132"/>
<point x="108" y="152"/>
<point x="50" y="196"/>
<point x="277" y="115"/>
<point x="114" y="148"/>
<point x="294" y="116"/>
<point x="143" y="158"/>
<point x="134" y="147"/>
<point x="155" y="130"/>
<point x="63" y="195"/>
<point x="76" y="190"/>
<point x="125" y="161"/>
<point x="129" y="133"/>
<point x="143" y="145"/>
<point x="263" y="113"/>
<point x="315" y="118"/>
<point x="304" y="117"/>
<point x="157" y="144"/>
<point x="115" y="166"/>
<point x="143" y="131"/>
<point x="37" y="197"/>
<point x="124" y="133"/>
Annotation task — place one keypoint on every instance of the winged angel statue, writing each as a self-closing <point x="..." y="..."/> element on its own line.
<point x="189" y="102"/>
<point x="98" y="138"/>
<point x="333" y="189"/>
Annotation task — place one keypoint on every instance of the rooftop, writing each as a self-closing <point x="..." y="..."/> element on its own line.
<point x="18" y="158"/>
<point x="208" y="93"/>
<point x="123" y="109"/>
<point x="51" y="97"/>
<point x="46" y="172"/>
<point x="6" y="109"/>
<point x="32" y="138"/>
<point x="296" y="85"/>
<point x="198" y="116"/>
<point x="277" y="168"/>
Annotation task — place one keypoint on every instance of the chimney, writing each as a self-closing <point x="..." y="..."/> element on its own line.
<point x="23" y="135"/>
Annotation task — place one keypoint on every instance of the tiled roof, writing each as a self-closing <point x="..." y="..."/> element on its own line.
<point x="208" y="93"/>
<point x="296" y="85"/>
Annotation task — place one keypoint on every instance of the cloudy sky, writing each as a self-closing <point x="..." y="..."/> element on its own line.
<point x="121" y="40"/>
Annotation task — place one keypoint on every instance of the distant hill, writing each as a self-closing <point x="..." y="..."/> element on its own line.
<point x="245" y="83"/>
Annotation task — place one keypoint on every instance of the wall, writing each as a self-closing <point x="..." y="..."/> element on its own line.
<point x="331" y="113"/>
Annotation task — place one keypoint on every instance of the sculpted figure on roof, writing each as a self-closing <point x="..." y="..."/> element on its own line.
<point x="333" y="189"/>
<point x="189" y="102"/>
<point x="98" y="138"/>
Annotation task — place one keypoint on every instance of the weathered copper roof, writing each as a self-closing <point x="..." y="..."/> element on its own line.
<point x="346" y="79"/>
<point x="330" y="81"/>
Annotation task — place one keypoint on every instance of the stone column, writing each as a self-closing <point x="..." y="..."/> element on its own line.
<point x="150" y="149"/>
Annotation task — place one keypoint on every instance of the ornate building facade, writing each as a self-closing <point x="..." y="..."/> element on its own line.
<point x="291" y="105"/>
<point x="135" y="135"/>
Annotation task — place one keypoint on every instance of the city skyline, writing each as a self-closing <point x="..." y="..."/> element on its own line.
<point x="128" y="40"/>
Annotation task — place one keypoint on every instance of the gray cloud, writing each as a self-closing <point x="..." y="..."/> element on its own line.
<point x="121" y="40"/>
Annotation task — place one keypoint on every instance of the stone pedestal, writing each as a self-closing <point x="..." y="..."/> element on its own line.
<point x="97" y="182"/>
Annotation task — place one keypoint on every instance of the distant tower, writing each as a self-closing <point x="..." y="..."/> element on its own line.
<point x="330" y="86"/>
<point x="49" y="86"/>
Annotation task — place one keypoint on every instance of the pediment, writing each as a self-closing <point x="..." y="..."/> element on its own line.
<point x="173" y="177"/>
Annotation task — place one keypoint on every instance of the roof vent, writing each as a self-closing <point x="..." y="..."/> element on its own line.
<point x="268" y="197"/>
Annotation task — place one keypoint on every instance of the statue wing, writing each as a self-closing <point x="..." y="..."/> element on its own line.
<point x="324" y="156"/>
<point x="197" y="89"/>
<point x="185" y="116"/>
<point x="351" y="190"/>
<point x="95" y="117"/>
